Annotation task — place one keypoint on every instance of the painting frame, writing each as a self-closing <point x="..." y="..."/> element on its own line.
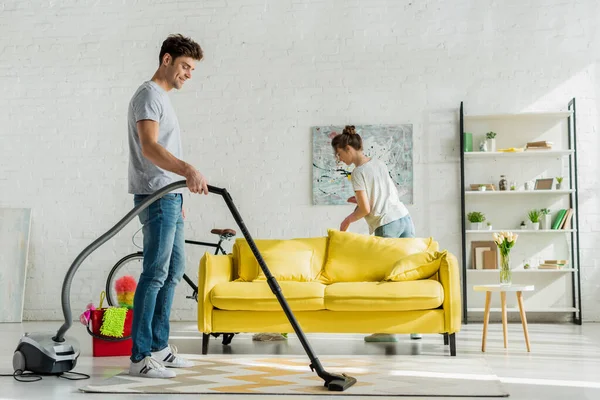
<point x="390" y="143"/>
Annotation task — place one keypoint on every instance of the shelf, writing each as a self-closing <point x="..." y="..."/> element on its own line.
<point x="496" y="271"/>
<point x="531" y="153"/>
<point x="528" y="310"/>
<point x="519" y="231"/>
<point x="517" y="192"/>
<point x="526" y="115"/>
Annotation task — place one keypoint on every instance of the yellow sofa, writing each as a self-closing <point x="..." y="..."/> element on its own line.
<point x="342" y="283"/>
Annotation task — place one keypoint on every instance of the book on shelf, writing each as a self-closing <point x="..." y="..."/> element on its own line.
<point x="563" y="219"/>
<point x="553" y="264"/>
<point x="541" y="145"/>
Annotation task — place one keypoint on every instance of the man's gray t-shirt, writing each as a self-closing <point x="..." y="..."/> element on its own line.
<point x="150" y="101"/>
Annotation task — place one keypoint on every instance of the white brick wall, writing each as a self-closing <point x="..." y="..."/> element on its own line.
<point x="272" y="69"/>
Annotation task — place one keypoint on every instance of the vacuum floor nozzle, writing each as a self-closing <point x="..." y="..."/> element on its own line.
<point x="339" y="383"/>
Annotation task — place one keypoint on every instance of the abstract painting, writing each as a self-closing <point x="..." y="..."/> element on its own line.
<point x="15" y="224"/>
<point x="391" y="144"/>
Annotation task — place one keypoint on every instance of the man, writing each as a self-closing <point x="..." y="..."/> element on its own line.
<point x="154" y="162"/>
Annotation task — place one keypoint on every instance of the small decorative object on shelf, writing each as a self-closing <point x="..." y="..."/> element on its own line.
<point x="559" y="180"/>
<point x="483" y="146"/>
<point x="523" y="225"/>
<point x="526" y="266"/>
<point x="489" y="226"/>
<point x="503" y="184"/>
<point x="491" y="141"/>
<point x="476" y="218"/>
<point x="528" y="185"/>
<point x="534" y="217"/>
<point x="547" y="221"/>
<point x="505" y="242"/>
<point x="482" y="188"/>
<point x="513" y="186"/>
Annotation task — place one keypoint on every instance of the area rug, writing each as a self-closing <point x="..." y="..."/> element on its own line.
<point x="429" y="376"/>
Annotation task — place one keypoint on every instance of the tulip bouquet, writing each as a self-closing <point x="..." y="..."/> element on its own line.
<point x="505" y="241"/>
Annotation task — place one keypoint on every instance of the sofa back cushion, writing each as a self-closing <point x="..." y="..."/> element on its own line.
<point x="354" y="257"/>
<point x="287" y="265"/>
<point x="247" y="267"/>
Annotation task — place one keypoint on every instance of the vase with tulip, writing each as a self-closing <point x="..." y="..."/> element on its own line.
<point x="505" y="241"/>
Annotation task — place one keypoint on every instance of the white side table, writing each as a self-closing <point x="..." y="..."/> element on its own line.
<point x="519" y="289"/>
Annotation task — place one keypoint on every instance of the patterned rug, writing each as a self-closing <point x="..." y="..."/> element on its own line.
<point x="437" y="376"/>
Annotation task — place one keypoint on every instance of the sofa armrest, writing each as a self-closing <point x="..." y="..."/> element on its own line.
<point x="214" y="269"/>
<point x="449" y="276"/>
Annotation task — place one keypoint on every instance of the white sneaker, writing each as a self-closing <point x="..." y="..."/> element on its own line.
<point x="169" y="358"/>
<point x="150" y="368"/>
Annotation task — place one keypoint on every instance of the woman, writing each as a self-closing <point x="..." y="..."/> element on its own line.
<point x="376" y="197"/>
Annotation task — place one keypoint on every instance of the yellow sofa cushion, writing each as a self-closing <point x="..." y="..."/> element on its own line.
<point x="247" y="268"/>
<point x="416" y="266"/>
<point x="293" y="265"/>
<point x="353" y="257"/>
<point x="257" y="296"/>
<point x="384" y="296"/>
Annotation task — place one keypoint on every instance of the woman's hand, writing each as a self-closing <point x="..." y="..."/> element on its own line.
<point x="345" y="224"/>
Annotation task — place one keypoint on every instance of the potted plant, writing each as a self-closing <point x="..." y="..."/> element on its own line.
<point x="491" y="141"/>
<point x="476" y="218"/>
<point x="559" y="180"/>
<point x="489" y="226"/>
<point x="534" y="217"/>
<point x="482" y="188"/>
<point x="523" y="225"/>
<point x="547" y="221"/>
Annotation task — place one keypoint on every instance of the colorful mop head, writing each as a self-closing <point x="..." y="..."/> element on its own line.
<point x="125" y="288"/>
<point x="113" y="321"/>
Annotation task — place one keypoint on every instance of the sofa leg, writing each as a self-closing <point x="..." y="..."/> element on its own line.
<point x="205" y="337"/>
<point x="446" y="339"/>
<point x="452" y="338"/>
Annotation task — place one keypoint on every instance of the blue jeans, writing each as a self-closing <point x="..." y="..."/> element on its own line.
<point x="400" y="228"/>
<point x="164" y="265"/>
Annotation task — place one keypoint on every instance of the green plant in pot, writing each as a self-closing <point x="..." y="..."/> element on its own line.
<point x="476" y="218"/>
<point x="490" y="138"/>
<point x="534" y="217"/>
<point x="559" y="180"/>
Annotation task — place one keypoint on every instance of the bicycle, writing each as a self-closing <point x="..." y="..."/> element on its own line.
<point x="132" y="263"/>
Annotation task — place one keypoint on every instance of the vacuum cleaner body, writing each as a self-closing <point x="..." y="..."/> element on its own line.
<point x="39" y="353"/>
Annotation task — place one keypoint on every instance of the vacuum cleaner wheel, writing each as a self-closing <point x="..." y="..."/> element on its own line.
<point x="19" y="361"/>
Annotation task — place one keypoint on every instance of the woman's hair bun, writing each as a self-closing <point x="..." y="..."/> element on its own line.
<point x="349" y="130"/>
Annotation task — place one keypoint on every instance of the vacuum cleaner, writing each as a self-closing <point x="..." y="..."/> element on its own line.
<point x="48" y="354"/>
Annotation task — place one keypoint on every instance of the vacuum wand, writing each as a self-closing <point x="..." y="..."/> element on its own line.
<point x="333" y="382"/>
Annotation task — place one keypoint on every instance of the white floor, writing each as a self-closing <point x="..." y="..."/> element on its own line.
<point x="564" y="362"/>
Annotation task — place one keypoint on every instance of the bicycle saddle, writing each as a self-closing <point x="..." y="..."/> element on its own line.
<point x="226" y="232"/>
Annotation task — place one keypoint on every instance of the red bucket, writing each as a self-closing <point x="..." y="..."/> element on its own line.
<point x="108" y="346"/>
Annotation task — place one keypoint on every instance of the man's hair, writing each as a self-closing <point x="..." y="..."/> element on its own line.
<point x="179" y="45"/>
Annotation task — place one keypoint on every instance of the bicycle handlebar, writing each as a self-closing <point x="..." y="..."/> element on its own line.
<point x="66" y="289"/>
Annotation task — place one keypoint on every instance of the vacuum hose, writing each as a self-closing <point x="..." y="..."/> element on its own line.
<point x="66" y="289"/>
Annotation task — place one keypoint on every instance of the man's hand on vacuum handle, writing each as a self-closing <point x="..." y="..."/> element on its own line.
<point x="196" y="182"/>
<point x="161" y="157"/>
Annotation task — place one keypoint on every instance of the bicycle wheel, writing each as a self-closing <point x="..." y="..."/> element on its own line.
<point x="131" y="265"/>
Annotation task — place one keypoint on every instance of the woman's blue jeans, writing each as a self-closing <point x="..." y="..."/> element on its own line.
<point x="400" y="228"/>
<point x="164" y="265"/>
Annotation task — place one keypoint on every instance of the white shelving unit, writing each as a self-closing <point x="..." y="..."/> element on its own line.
<point x="556" y="290"/>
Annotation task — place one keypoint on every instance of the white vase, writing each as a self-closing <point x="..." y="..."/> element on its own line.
<point x="535" y="226"/>
<point x="475" y="226"/>
<point x="491" y="144"/>
<point x="547" y="222"/>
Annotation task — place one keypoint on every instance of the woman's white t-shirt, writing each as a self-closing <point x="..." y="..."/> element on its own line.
<point x="374" y="178"/>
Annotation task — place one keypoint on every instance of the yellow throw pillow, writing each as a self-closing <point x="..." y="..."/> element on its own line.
<point x="354" y="257"/>
<point x="416" y="266"/>
<point x="294" y="265"/>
